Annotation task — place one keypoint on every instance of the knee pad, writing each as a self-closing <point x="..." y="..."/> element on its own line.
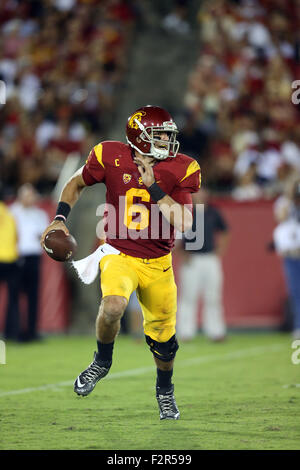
<point x="163" y="351"/>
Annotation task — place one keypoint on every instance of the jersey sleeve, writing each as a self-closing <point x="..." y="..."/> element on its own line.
<point x="94" y="170"/>
<point x="190" y="181"/>
<point x="182" y="196"/>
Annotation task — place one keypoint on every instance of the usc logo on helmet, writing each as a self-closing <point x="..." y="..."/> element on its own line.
<point x="137" y="115"/>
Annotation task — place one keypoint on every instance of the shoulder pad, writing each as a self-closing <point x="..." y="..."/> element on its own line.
<point x="107" y="151"/>
<point x="189" y="172"/>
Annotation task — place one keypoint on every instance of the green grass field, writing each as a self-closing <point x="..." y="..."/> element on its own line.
<point x="240" y="394"/>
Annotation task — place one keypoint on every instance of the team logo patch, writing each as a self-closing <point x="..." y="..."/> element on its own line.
<point x="126" y="178"/>
<point x="136" y="116"/>
<point x="141" y="180"/>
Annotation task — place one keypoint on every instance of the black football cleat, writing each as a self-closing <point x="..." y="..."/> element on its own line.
<point x="87" y="380"/>
<point x="167" y="404"/>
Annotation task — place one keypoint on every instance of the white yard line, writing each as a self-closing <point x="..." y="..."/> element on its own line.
<point x="291" y="386"/>
<point x="240" y="353"/>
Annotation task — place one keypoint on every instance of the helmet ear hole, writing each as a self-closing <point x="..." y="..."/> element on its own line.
<point x="140" y="132"/>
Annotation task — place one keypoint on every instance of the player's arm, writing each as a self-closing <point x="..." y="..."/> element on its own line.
<point x="176" y="214"/>
<point x="69" y="196"/>
<point x="91" y="173"/>
<point x="73" y="188"/>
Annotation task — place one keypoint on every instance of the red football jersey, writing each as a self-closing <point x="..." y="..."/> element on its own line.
<point x="134" y="224"/>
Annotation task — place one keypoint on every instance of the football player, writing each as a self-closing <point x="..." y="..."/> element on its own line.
<point x="148" y="197"/>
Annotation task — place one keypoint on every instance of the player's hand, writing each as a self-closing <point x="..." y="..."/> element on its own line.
<point x="146" y="170"/>
<point x="55" y="225"/>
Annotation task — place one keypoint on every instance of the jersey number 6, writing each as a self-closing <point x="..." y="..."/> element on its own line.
<point x="135" y="209"/>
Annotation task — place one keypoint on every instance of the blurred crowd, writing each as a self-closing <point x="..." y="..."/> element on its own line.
<point x="62" y="62"/>
<point x="239" y="97"/>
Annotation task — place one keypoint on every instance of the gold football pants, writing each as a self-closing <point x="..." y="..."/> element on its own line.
<point x="156" y="290"/>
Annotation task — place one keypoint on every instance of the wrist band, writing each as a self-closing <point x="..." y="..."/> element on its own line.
<point x="156" y="192"/>
<point x="62" y="212"/>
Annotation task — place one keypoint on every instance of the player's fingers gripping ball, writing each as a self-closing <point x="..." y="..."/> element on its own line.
<point x="59" y="246"/>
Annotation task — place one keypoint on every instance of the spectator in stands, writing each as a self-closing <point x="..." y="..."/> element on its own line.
<point x="287" y="245"/>
<point x="193" y="141"/>
<point x="9" y="269"/>
<point x="201" y="273"/>
<point x="240" y="90"/>
<point x="59" y="59"/>
<point x="31" y="222"/>
<point x="246" y="186"/>
<point x="175" y="21"/>
<point x="284" y="203"/>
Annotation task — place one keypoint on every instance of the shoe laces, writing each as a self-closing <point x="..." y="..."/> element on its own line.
<point x="167" y="402"/>
<point x="93" y="371"/>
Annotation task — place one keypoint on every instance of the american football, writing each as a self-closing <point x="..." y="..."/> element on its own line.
<point x="59" y="246"/>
